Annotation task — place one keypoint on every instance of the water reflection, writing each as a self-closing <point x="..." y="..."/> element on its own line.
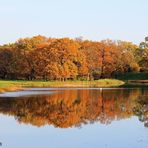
<point x="70" y="108"/>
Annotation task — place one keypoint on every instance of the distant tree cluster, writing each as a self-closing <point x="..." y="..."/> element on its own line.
<point x="44" y="58"/>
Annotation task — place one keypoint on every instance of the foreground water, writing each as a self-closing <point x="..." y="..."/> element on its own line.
<point x="74" y="118"/>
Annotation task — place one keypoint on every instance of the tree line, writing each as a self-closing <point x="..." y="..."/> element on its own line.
<point x="43" y="58"/>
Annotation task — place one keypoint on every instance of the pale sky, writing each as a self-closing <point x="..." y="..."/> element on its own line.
<point x="93" y="19"/>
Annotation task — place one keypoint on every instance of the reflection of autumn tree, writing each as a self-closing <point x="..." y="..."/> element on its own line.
<point x="141" y="108"/>
<point x="74" y="107"/>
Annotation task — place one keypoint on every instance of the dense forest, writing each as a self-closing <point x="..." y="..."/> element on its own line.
<point x="43" y="58"/>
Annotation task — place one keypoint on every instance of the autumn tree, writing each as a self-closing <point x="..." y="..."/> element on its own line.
<point x="25" y="49"/>
<point x="143" y="55"/>
<point x="6" y="55"/>
<point x="65" y="53"/>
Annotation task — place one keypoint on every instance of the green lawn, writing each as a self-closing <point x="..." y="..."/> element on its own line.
<point x="129" y="78"/>
<point x="14" y="85"/>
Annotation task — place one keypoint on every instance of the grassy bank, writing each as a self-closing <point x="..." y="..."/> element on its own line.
<point x="15" y="85"/>
<point x="6" y="86"/>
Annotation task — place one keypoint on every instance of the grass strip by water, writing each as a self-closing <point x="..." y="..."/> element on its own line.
<point x="10" y="85"/>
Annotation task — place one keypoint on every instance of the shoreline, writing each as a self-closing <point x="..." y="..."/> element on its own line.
<point x="10" y="85"/>
<point x="3" y="90"/>
<point x="13" y="85"/>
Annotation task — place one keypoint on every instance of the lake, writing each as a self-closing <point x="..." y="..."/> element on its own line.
<point x="74" y="118"/>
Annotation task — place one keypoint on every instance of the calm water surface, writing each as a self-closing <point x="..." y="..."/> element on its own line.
<point x="74" y="118"/>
